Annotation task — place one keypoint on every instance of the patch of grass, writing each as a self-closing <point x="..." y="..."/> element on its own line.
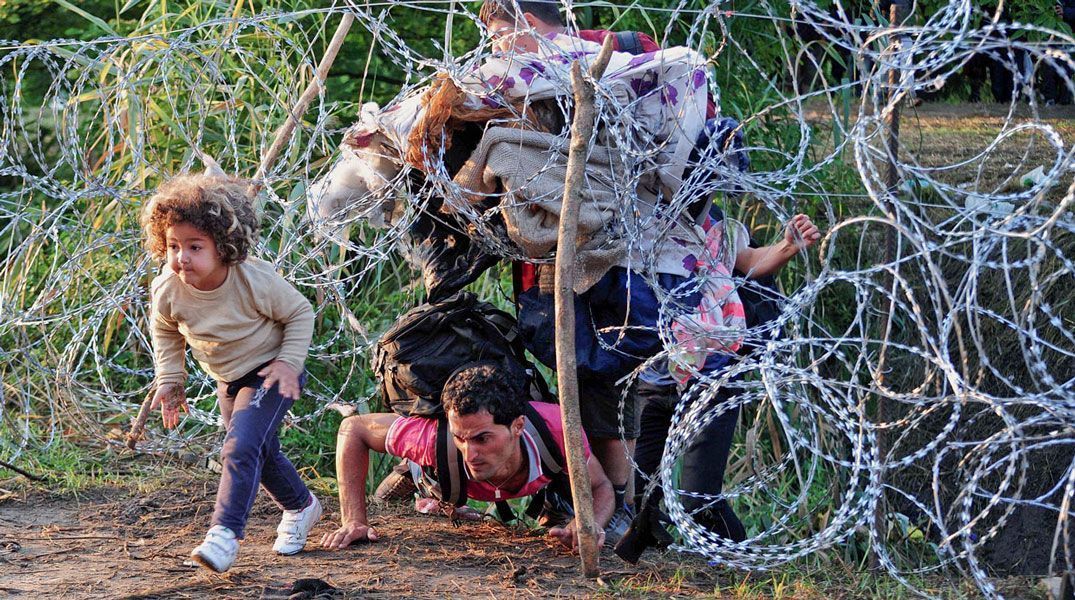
<point x="70" y="467"/>
<point x="817" y="577"/>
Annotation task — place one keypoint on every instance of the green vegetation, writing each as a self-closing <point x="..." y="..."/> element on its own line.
<point x="231" y="115"/>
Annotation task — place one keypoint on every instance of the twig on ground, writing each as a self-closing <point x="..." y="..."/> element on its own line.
<point x="26" y="474"/>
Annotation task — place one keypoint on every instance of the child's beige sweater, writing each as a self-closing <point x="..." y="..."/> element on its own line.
<point x="254" y="317"/>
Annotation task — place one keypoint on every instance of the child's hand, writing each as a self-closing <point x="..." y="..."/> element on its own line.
<point x="172" y="401"/>
<point x="283" y="374"/>
<point x="801" y="232"/>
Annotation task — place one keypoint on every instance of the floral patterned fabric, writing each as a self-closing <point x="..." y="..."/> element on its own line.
<point x="664" y="94"/>
<point x="718" y="324"/>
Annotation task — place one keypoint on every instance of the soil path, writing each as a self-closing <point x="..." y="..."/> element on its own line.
<point x="116" y="543"/>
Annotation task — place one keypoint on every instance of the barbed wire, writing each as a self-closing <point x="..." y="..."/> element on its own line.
<point x="927" y="385"/>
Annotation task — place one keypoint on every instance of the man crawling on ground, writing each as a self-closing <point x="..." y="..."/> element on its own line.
<point x="485" y="409"/>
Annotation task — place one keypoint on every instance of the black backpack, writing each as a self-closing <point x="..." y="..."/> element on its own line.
<point x="417" y="355"/>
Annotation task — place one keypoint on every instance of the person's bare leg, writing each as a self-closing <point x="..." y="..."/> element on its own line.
<point x="612" y="453"/>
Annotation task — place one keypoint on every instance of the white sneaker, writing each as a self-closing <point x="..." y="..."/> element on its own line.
<point x="219" y="549"/>
<point x="295" y="526"/>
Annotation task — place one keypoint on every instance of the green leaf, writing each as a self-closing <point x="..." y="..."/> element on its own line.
<point x="130" y="4"/>
<point x="92" y="19"/>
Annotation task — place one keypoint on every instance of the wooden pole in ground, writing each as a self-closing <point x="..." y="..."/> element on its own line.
<point x="899" y="13"/>
<point x="582" y="127"/>
<point x="284" y="133"/>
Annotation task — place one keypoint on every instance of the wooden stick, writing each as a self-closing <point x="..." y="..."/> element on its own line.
<point x="26" y="474"/>
<point x="284" y="133"/>
<point x="582" y="128"/>
<point x="139" y="424"/>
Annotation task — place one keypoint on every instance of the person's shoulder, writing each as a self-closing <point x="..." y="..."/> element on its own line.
<point x="738" y="230"/>
<point x="413" y="438"/>
<point x="642" y="42"/>
<point x="648" y="43"/>
<point x="164" y="291"/>
<point x="253" y="264"/>
<point x="258" y="271"/>
<point x="594" y="35"/>
<point x="166" y="280"/>
<point x="550" y="413"/>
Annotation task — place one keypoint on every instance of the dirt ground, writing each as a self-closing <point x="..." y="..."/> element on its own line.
<point x="120" y="543"/>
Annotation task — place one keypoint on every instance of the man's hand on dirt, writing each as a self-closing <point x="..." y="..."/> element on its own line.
<point x="172" y="401"/>
<point x="283" y="374"/>
<point x="569" y="538"/>
<point x="347" y="535"/>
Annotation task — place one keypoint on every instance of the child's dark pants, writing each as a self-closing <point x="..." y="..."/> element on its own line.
<point x="251" y="452"/>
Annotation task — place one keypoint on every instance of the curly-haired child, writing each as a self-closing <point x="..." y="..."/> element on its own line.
<point x="250" y="330"/>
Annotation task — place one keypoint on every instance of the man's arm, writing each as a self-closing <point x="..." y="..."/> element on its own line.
<point x="603" y="506"/>
<point x="604" y="499"/>
<point x="357" y="436"/>
<point x="759" y="262"/>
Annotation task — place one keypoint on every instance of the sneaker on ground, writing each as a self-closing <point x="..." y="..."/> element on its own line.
<point x="397" y="485"/>
<point x="617" y="526"/>
<point x="295" y="526"/>
<point x="219" y="549"/>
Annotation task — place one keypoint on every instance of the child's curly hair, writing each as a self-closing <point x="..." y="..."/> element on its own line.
<point x="219" y="206"/>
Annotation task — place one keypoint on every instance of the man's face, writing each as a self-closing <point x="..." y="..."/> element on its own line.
<point x="486" y="446"/>
<point x="512" y="36"/>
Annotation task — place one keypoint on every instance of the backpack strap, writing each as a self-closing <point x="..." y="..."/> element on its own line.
<point x="505" y="326"/>
<point x="504" y="511"/>
<point x="552" y="460"/>
<point x="629" y="42"/>
<point x="553" y="463"/>
<point x="451" y="473"/>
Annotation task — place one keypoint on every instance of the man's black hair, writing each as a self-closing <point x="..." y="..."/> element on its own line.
<point x="494" y="387"/>
<point x="546" y="10"/>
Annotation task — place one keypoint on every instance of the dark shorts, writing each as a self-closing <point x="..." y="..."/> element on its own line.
<point x="599" y="404"/>
<point x="615" y="332"/>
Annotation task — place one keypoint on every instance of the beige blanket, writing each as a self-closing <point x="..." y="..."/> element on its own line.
<point x="529" y="168"/>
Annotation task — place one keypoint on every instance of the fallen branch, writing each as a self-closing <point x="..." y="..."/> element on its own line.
<point x="30" y="476"/>
<point x="582" y="128"/>
<point x="139" y="424"/>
